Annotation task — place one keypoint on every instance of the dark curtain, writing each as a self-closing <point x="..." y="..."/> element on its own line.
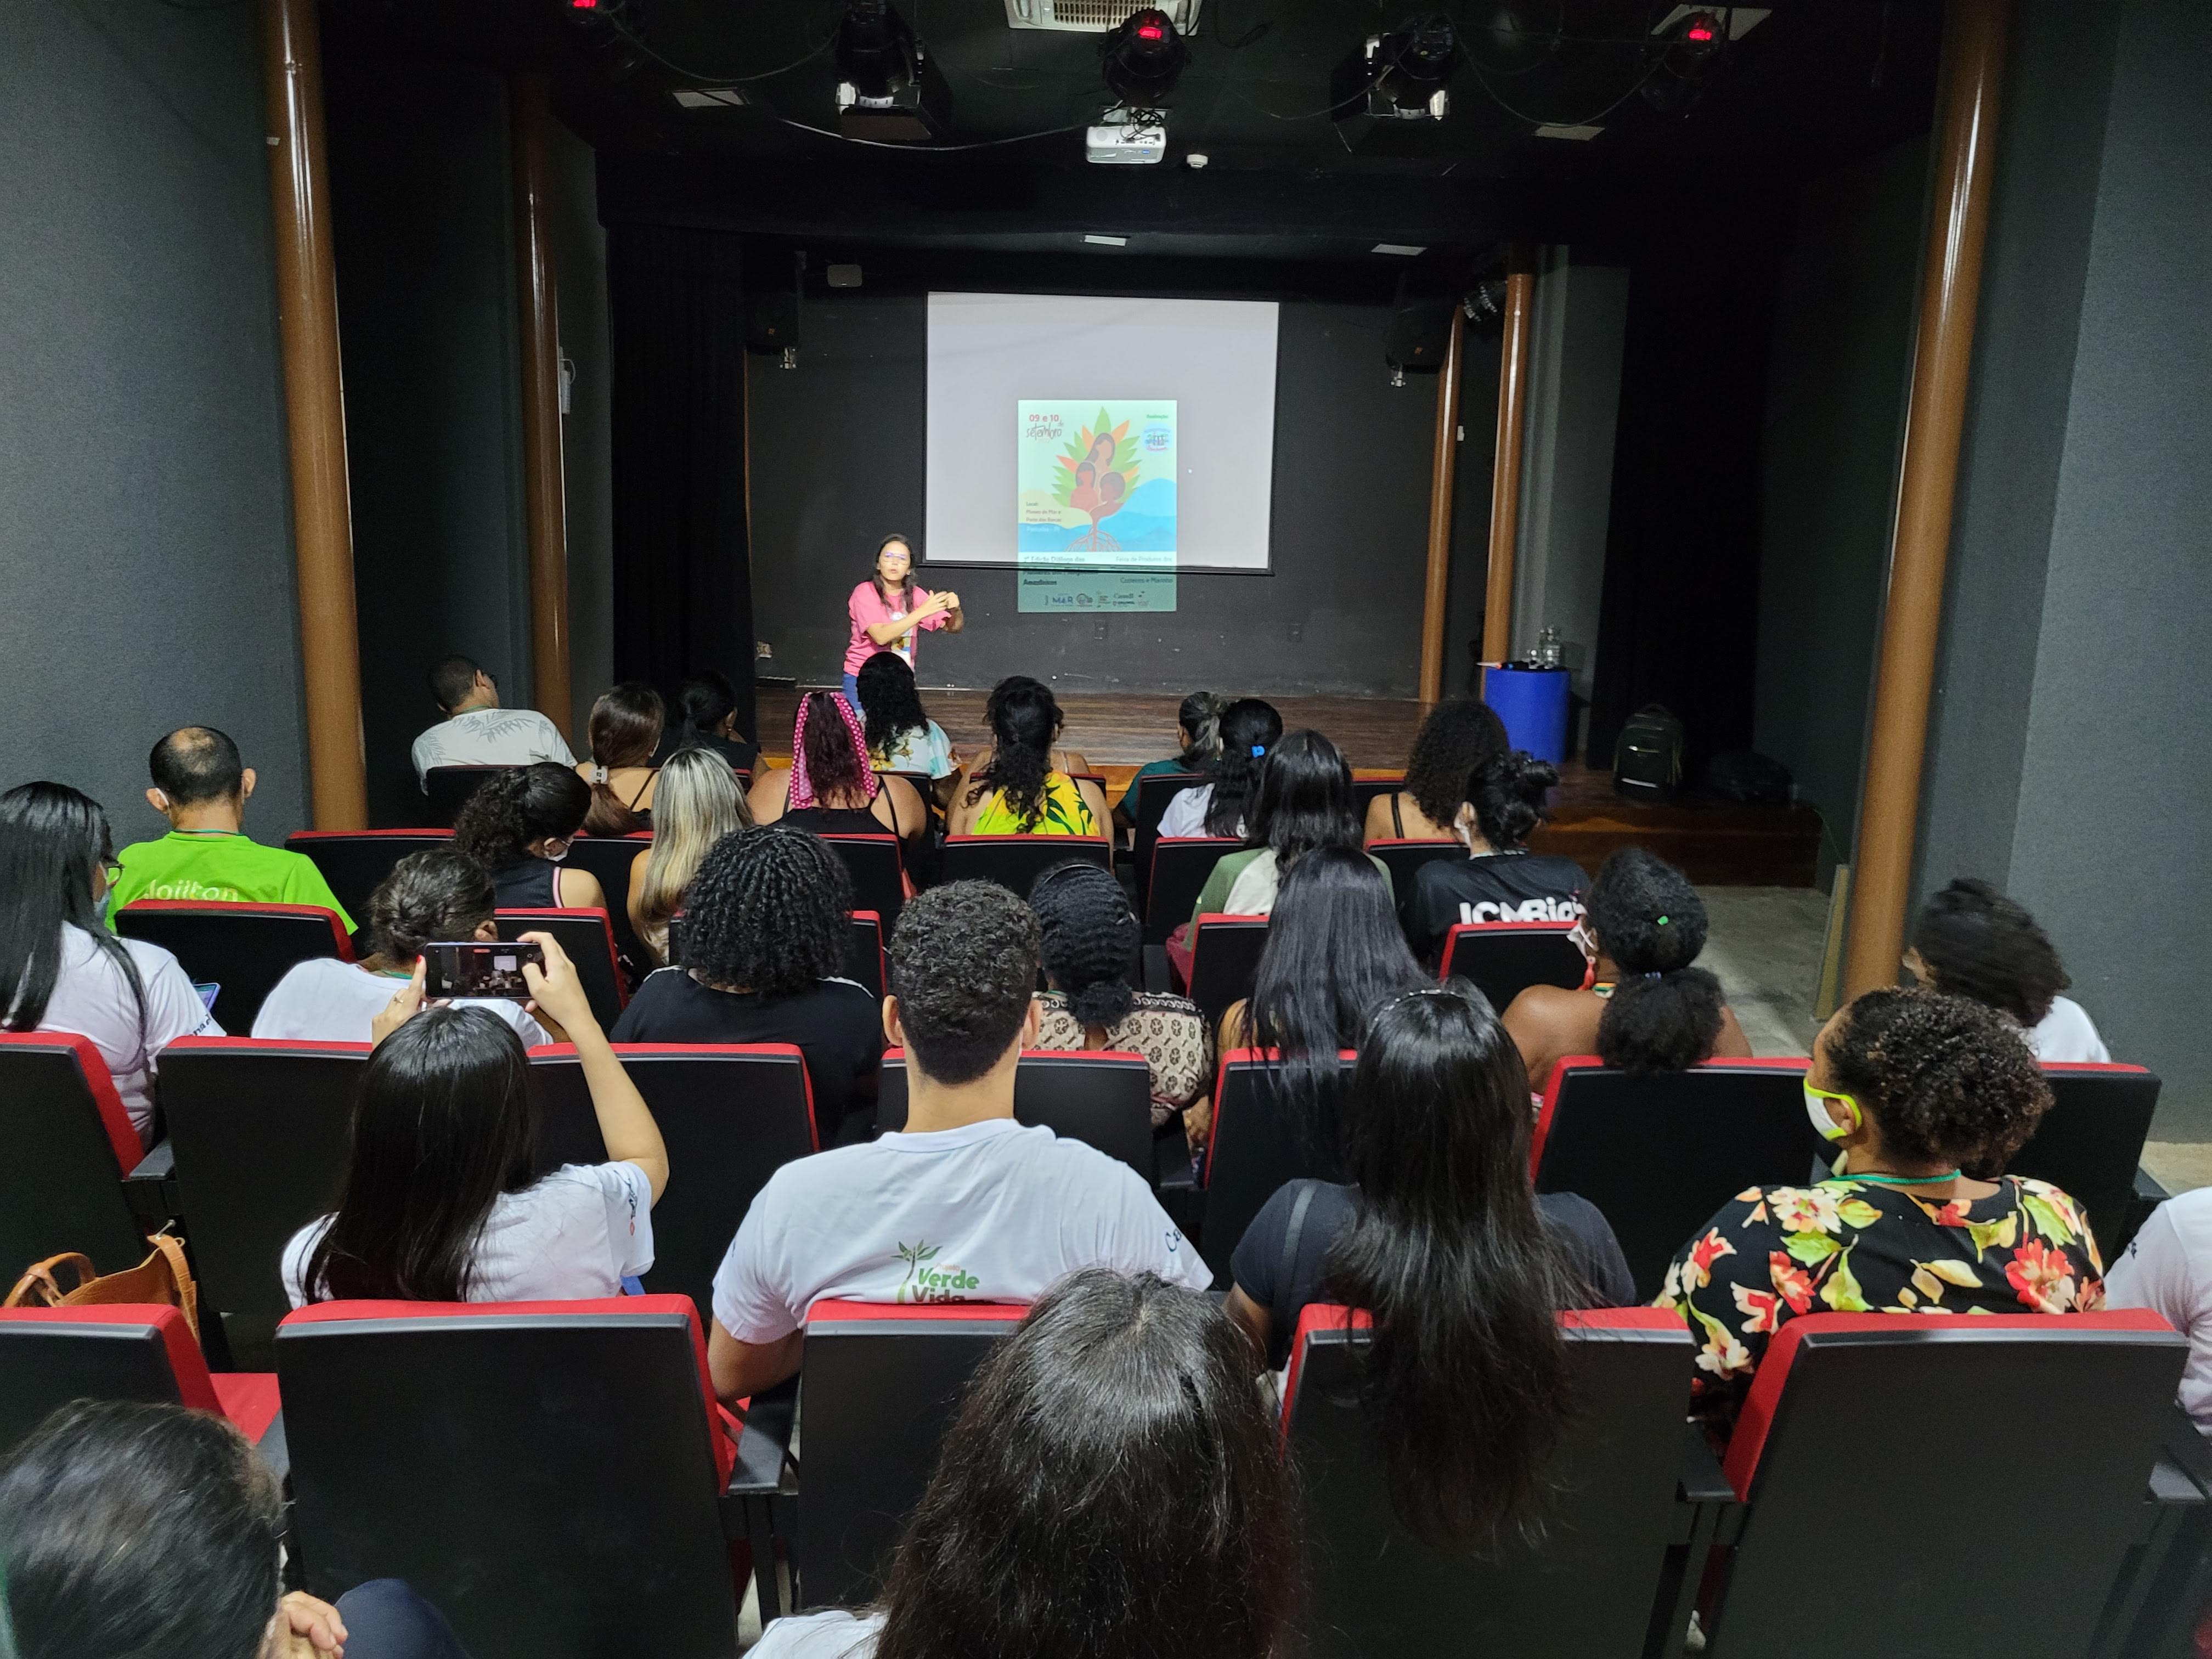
<point x="1679" y="612"/>
<point x="683" y="582"/>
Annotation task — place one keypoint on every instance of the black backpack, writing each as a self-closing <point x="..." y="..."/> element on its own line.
<point x="1647" y="761"/>
<point x="1745" y="774"/>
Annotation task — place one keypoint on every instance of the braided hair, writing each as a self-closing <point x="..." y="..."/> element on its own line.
<point x="1091" y="940"/>
<point x="1024" y="719"/>
<point x="767" y="912"/>
<point x="439" y="893"/>
<point x="1664" y="1016"/>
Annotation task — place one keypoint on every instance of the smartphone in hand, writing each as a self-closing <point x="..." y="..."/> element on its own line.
<point x="475" y="968"/>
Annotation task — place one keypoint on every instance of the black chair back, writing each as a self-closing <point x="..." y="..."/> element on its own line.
<point x="50" y="1356"/>
<point x="610" y="858"/>
<point x="1659" y="1153"/>
<point x="878" y="878"/>
<point x="447" y="789"/>
<point x="864" y="951"/>
<point x="1101" y="1099"/>
<point x="1154" y="791"/>
<point x="1504" y="958"/>
<point x="2090" y="1142"/>
<point x="1587" y="1586"/>
<point x="1257" y="1147"/>
<point x="243" y="949"/>
<point x="1015" y="861"/>
<point x="547" y="1474"/>
<point x="1224" y="956"/>
<point x="355" y="862"/>
<point x="68" y="1143"/>
<point x="1404" y="859"/>
<point x="1180" y="867"/>
<point x="880" y="1386"/>
<point x="588" y="937"/>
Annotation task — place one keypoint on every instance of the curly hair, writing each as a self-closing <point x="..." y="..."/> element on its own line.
<point x="890" y="705"/>
<point x="511" y="809"/>
<point x="767" y="912"/>
<point x="1090" y="939"/>
<point x="836" y="769"/>
<point x="963" y="967"/>
<point x="1980" y="944"/>
<point x="1664" y="1016"/>
<point x="1025" y="721"/>
<point x="440" y="893"/>
<point x="1946" y="1078"/>
<point x="1508" y="794"/>
<point x="1461" y="737"/>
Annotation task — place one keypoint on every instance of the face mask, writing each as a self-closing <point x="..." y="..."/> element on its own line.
<point x="557" y="858"/>
<point x="1816" y="1108"/>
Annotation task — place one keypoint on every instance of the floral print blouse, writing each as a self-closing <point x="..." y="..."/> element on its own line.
<point x="1849" y="1246"/>
<point x="1168" y="1031"/>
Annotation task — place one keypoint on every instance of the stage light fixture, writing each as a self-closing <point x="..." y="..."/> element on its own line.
<point x="888" y="87"/>
<point x="1396" y="77"/>
<point x="1143" y="57"/>
<point x="1702" y="34"/>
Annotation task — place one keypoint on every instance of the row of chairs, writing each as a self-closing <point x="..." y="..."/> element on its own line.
<point x="620" y="1511"/>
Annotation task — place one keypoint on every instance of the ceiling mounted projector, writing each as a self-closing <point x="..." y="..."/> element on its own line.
<point x="888" y="88"/>
<point x="1122" y="139"/>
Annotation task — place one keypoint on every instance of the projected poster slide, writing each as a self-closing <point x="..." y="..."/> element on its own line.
<point x="1095" y="484"/>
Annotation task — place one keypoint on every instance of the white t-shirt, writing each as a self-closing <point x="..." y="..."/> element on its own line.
<point x="833" y="1635"/>
<point x="323" y="1000"/>
<point x="491" y="736"/>
<point x="91" y="998"/>
<point x="2168" y="1270"/>
<point x="2068" y="1033"/>
<point x="1186" y="813"/>
<point x="577" y="1233"/>
<point x="990" y="1212"/>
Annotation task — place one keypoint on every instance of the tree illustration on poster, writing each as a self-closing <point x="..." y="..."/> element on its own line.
<point x="1097" y="483"/>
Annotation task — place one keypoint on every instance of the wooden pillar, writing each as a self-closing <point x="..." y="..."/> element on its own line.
<point x="1889" y="810"/>
<point x="1505" y="471"/>
<point x="1437" y="589"/>
<point x="314" y="403"/>
<point x="544" y="485"/>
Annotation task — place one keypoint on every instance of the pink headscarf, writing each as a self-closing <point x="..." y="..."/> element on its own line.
<point x="802" y="786"/>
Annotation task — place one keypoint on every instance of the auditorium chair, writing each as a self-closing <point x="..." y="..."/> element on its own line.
<point x="1873" y="1448"/>
<point x="609" y="858"/>
<point x="1404" y="859"/>
<point x="447" y="789"/>
<point x="588" y="938"/>
<point x="69" y="1146"/>
<point x="1181" y="866"/>
<point x="551" y="1475"/>
<point x="1154" y="791"/>
<point x="1623" y="1487"/>
<point x="124" y="1351"/>
<point x="1659" y="1152"/>
<point x="355" y="862"/>
<point x="1255" y="1147"/>
<point x="1225" y="955"/>
<point x="864" y="952"/>
<point x="1015" y="861"/>
<point x="241" y="949"/>
<point x="1504" y="958"/>
<point x="2090" y="1143"/>
<point x="878" y="878"/>
<point x="1098" y="1096"/>
<point x="1365" y="790"/>
<point x="731" y="1115"/>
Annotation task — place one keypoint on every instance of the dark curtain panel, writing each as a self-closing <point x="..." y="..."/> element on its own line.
<point x="683" y="583"/>
<point x="1678" y="615"/>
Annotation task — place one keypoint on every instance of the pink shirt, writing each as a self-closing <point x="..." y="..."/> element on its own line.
<point x="865" y="609"/>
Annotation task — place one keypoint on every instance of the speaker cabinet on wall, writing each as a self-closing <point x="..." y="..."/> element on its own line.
<point x="771" y="323"/>
<point x="1420" y="334"/>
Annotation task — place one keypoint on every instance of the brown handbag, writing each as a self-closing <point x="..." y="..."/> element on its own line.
<point x="163" y="1277"/>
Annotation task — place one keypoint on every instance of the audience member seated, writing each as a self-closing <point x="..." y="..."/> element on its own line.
<point x="1111" y="1487"/>
<point x="706" y="717"/>
<point x="1459" y="738"/>
<point x="442" y="1202"/>
<point x="132" y="1529"/>
<point x="1970" y="940"/>
<point x="900" y="737"/>
<point x="1091" y="943"/>
<point x="1333" y="953"/>
<point x="1249" y="728"/>
<point x="2168" y="1270"/>
<point x="966" y="1204"/>
<point x="1465" y="1270"/>
<point x="829" y="786"/>
<point x="1500" y="879"/>
<point x="765" y="929"/>
<point x="1198" y="723"/>
<point x="477" y="732"/>
<point x="1912" y="1086"/>
<point x="201" y="787"/>
<point x="1646" y="1008"/>
<point x="439" y="895"/>
<point x="1024" y="785"/>
<point x="699" y="803"/>
<point x="1302" y="799"/>
<point x="625" y="730"/>
<point x="519" y="826"/>
<point x="60" y="968"/>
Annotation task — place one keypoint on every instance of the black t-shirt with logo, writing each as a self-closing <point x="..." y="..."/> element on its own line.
<point x="1493" y="887"/>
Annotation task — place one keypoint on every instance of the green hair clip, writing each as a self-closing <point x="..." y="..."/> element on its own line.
<point x="1662" y="921"/>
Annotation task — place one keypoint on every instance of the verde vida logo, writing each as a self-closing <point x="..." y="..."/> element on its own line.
<point x="921" y="1282"/>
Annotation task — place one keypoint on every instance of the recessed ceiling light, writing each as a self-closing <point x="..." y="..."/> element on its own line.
<point x="1403" y="250"/>
<point x="1585" y="133"/>
<point x="1108" y="241"/>
<point x="709" y="97"/>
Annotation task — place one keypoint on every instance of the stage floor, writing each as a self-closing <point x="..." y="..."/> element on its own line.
<point x="1715" y="842"/>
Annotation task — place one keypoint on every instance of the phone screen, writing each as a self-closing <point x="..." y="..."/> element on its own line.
<point x="473" y="968"/>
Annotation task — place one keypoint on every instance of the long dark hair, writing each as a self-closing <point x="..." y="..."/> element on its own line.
<point x="1247" y="726"/>
<point x="834" y="766"/>
<point x="51" y="840"/>
<point x="1466" y="1377"/>
<point x="1091" y="940"/>
<point x="443" y="1124"/>
<point x="875" y="571"/>
<point x="1980" y="944"/>
<point x="1304" y="799"/>
<point x="703" y="702"/>
<point x="1111" y="1487"/>
<point x="1664" y="1015"/>
<point x="1200" y="716"/>
<point x="890" y="705"/>
<point x="1335" y="950"/>
<point x="545" y="801"/>
<point x="1025" y="721"/>
<point x="625" y="730"/>
<point x="1459" y="738"/>
<point x="1510" y="798"/>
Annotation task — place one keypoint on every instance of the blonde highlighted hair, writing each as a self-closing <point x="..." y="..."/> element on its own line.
<point x="697" y="803"/>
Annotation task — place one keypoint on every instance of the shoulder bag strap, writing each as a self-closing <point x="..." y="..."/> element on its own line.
<point x="1291" y="1236"/>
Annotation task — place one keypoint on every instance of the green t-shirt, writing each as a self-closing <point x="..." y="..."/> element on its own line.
<point x="222" y="866"/>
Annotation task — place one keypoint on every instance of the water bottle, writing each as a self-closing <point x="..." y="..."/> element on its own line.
<point x="1549" y="653"/>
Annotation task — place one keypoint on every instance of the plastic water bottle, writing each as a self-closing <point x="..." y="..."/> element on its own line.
<point x="1549" y="651"/>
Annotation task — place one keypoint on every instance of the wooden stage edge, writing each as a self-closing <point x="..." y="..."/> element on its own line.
<point x="1717" y="843"/>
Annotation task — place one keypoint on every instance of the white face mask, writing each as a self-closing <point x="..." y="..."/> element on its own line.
<point x="1816" y="1108"/>
<point x="556" y="858"/>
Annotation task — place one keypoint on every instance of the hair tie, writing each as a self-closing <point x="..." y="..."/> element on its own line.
<point x="1662" y="921"/>
<point x="1258" y="750"/>
<point x="1653" y="975"/>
